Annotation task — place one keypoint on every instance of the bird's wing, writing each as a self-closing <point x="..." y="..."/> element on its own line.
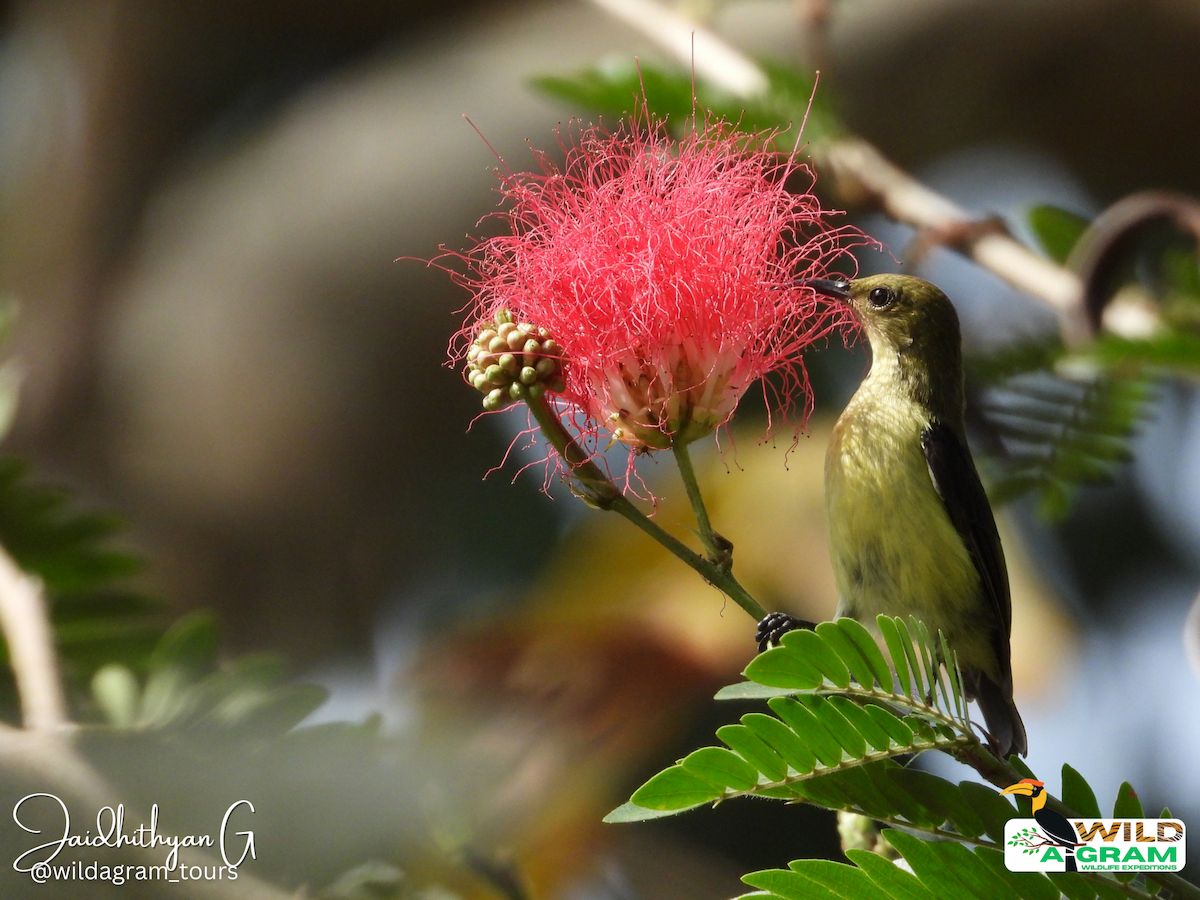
<point x="957" y="483"/>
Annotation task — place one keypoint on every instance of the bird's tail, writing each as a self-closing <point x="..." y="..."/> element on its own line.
<point x="1004" y="725"/>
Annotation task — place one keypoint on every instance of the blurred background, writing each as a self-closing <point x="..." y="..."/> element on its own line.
<point x="213" y="216"/>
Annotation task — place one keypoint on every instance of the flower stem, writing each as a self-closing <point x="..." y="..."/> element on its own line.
<point x="597" y="489"/>
<point x="719" y="551"/>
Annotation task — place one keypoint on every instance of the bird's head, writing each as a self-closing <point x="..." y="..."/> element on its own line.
<point x="1028" y="787"/>
<point x="899" y="312"/>
<point x="910" y="323"/>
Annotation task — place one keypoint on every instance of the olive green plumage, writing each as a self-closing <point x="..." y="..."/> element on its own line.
<point x="910" y="528"/>
<point x="911" y="531"/>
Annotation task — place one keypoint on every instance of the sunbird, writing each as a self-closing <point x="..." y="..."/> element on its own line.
<point x="910" y="528"/>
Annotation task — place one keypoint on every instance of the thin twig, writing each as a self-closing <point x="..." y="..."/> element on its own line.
<point x="599" y="490"/>
<point x="687" y="472"/>
<point x="25" y="622"/>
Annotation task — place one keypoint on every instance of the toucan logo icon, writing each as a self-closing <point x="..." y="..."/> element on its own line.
<point x="1050" y="842"/>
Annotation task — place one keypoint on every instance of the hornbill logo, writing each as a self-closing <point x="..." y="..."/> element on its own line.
<point x="1053" y="824"/>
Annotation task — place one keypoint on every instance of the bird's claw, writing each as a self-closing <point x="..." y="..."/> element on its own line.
<point x="774" y="626"/>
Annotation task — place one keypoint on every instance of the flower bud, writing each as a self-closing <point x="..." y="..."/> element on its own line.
<point x="506" y="363"/>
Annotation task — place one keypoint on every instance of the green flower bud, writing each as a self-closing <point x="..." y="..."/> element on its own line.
<point x="536" y="391"/>
<point x="497" y="344"/>
<point x="495" y="374"/>
<point x="528" y="375"/>
<point x="546" y="367"/>
<point x="497" y="399"/>
<point x="509" y="363"/>
<point x="516" y="390"/>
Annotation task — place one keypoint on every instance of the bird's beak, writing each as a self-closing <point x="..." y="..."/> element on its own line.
<point x="1026" y="789"/>
<point x="837" y="288"/>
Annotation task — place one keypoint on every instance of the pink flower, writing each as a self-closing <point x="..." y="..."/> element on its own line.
<point x="665" y="274"/>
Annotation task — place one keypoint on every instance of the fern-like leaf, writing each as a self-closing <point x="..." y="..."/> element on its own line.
<point x="841" y="713"/>
<point x="96" y="619"/>
<point x="1060" y="434"/>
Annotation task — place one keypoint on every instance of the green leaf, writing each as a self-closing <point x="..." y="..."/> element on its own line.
<point x="631" y="812"/>
<point x="869" y="651"/>
<point x="1021" y="766"/>
<point x="1030" y="885"/>
<point x="1172" y="350"/>
<point x="674" y="789"/>
<point x="783" y="667"/>
<point x="891" y="635"/>
<point x="95" y="620"/>
<point x="751" y="748"/>
<point x="900" y="733"/>
<point x="896" y="882"/>
<point x="721" y="768"/>
<point x="851" y="788"/>
<point x="615" y="90"/>
<point x="1057" y="230"/>
<point x="941" y="796"/>
<point x="1063" y="433"/>
<point x="836" y="724"/>
<point x="913" y="656"/>
<point x="1127" y="804"/>
<point x="959" y="705"/>
<point x="782" y="740"/>
<point x="970" y="869"/>
<point x="847" y="650"/>
<point x="847" y="882"/>
<point x="117" y="694"/>
<point x="1078" y="794"/>
<point x="906" y="804"/>
<point x="789" y="885"/>
<point x="946" y="883"/>
<point x="809" y="646"/>
<point x="990" y="806"/>
<point x="921" y="729"/>
<point x="828" y="791"/>
<point x="190" y="645"/>
<point x="809" y="729"/>
<point x="862" y="722"/>
<point x="926" y="656"/>
<point x="749" y="690"/>
<point x="1072" y="886"/>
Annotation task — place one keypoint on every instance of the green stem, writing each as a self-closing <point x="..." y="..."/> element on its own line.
<point x="598" y="489"/>
<point x="688" y="473"/>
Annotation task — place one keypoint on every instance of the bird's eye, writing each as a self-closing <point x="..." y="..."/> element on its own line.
<point x="881" y="297"/>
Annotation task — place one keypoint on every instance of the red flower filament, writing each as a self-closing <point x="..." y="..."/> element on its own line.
<point x="668" y="274"/>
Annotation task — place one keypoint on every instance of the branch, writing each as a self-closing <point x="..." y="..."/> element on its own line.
<point x="26" y="626"/>
<point x="863" y="173"/>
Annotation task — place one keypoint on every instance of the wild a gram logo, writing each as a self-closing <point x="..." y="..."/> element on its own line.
<point x="1050" y="842"/>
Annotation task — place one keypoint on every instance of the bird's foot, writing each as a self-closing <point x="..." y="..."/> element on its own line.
<point x="775" y="625"/>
